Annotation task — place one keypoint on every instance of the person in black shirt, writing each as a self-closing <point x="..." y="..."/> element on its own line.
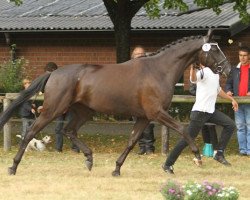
<point x="27" y="111"/>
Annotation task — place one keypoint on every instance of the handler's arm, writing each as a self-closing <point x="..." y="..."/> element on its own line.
<point x="193" y="77"/>
<point x="226" y="96"/>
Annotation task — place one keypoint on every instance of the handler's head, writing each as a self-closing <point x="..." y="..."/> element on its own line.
<point x="50" y="67"/>
<point x="138" y="52"/>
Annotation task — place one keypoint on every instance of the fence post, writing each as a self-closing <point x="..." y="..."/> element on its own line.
<point x="165" y="139"/>
<point x="6" y="128"/>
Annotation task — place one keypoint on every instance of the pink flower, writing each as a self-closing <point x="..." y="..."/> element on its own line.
<point x="172" y="191"/>
<point x="209" y="187"/>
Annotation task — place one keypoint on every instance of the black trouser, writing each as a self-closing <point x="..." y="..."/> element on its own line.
<point x="209" y="135"/>
<point x="58" y="130"/>
<point x="147" y="139"/>
<point x="198" y="119"/>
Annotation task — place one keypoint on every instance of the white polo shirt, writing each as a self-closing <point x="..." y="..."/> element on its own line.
<point x="207" y="90"/>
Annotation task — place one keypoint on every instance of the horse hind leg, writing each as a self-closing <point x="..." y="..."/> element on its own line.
<point x="17" y="159"/>
<point x="79" y="115"/>
<point x="37" y="126"/>
<point x="138" y="128"/>
<point x="71" y="134"/>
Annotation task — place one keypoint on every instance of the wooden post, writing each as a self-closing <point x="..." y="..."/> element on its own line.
<point x="6" y="129"/>
<point x="165" y="140"/>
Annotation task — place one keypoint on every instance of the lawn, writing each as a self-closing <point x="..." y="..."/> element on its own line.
<point x="51" y="175"/>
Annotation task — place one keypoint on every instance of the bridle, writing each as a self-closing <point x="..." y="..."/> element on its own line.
<point x="217" y="67"/>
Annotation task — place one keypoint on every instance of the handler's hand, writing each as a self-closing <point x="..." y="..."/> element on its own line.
<point x="235" y="105"/>
<point x="40" y="109"/>
<point x="230" y="93"/>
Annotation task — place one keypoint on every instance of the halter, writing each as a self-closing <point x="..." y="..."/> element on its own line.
<point x="217" y="68"/>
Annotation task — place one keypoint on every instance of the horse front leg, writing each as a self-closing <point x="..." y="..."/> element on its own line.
<point x="138" y="128"/>
<point x="168" y="121"/>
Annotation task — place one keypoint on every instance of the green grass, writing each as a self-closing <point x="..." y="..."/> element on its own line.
<point x="51" y="175"/>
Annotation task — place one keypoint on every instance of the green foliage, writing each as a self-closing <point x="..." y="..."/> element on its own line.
<point x="241" y="7"/>
<point x="11" y="75"/>
<point x="153" y="7"/>
<point x="210" y="4"/>
<point x="177" y="4"/>
<point x="17" y="2"/>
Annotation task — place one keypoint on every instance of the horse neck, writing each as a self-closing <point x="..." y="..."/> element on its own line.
<point x="174" y="60"/>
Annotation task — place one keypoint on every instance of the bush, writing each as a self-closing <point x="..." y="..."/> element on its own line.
<point x="11" y="75"/>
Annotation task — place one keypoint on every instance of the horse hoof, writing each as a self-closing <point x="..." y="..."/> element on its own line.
<point x="89" y="165"/>
<point x="11" y="171"/>
<point x="197" y="162"/>
<point x="115" y="173"/>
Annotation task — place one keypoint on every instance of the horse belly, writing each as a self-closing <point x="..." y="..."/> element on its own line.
<point x="112" y="105"/>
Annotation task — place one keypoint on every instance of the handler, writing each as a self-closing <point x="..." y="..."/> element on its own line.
<point x="208" y="87"/>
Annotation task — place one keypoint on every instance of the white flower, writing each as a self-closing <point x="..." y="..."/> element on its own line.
<point x="189" y="192"/>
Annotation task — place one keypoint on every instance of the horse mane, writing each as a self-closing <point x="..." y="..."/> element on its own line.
<point x="184" y="39"/>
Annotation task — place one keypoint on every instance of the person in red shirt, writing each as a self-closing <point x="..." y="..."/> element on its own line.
<point x="238" y="84"/>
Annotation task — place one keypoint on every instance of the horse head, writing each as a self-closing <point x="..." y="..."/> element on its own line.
<point x="211" y="56"/>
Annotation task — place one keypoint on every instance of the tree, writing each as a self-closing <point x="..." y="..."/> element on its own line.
<point x="121" y="13"/>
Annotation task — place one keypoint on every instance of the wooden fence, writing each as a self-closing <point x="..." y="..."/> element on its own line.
<point x="6" y="100"/>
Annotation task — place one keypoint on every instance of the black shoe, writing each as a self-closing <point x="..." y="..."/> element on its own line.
<point x="243" y="154"/>
<point x="59" y="150"/>
<point x="142" y="152"/>
<point x="168" y="169"/>
<point x="221" y="159"/>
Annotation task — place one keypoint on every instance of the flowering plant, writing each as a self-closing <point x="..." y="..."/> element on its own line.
<point x="195" y="191"/>
<point x="229" y="193"/>
<point x="172" y="191"/>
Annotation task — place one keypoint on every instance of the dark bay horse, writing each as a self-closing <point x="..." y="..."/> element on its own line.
<point x="140" y="87"/>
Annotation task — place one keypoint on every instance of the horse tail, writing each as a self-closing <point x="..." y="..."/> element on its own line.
<point x="36" y="86"/>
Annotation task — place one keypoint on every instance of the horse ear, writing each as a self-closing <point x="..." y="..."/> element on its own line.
<point x="209" y="35"/>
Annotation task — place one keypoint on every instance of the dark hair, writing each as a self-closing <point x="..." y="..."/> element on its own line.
<point x="50" y="67"/>
<point x="245" y="49"/>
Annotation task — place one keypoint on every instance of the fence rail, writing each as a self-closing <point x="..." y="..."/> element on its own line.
<point x="6" y="100"/>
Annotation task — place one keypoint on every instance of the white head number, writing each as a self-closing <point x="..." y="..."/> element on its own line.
<point x="206" y="47"/>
